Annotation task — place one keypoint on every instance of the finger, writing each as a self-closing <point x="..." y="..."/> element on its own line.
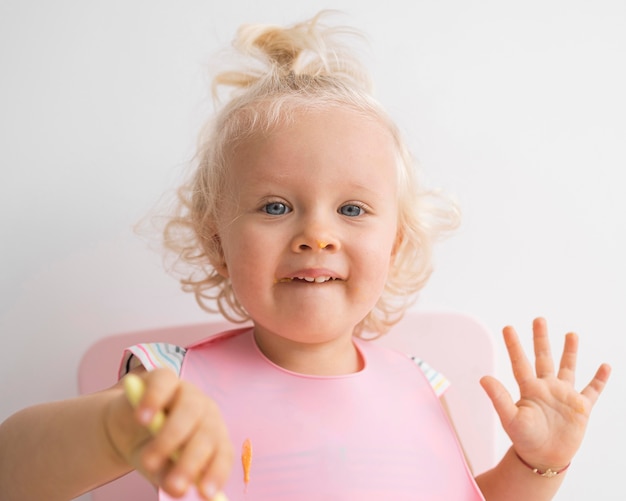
<point x="190" y="462"/>
<point x="544" y="365"/>
<point x="160" y="388"/>
<point x="200" y="450"/>
<point x="593" y="390"/>
<point x="183" y="419"/>
<point x="500" y="398"/>
<point x="186" y="470"/>
<point x="567" y="366"/>
<point x="522" y="370"/>
<point x="216" y="474"/>
<point x="134" y="388"/>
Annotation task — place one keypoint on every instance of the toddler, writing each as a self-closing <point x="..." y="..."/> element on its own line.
<point x="304" y="215"/>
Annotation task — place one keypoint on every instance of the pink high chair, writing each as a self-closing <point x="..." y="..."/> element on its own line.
<point x="452" y="343"/>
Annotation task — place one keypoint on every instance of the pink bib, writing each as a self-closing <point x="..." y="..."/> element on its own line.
<point x="377" y="434"/>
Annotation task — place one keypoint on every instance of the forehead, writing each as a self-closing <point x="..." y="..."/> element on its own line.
<point x="331" y="145"/>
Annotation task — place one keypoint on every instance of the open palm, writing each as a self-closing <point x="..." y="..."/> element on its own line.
<point x="548" y="422"/>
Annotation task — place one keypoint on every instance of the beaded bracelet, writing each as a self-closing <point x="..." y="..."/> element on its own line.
<point x="549" y="473"/>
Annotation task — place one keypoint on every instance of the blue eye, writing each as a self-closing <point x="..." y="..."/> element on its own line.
<point x="351" y="210"/>
<point x="276" y="208"/>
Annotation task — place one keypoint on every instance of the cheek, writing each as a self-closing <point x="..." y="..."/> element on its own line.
<point x="377" y="255"/>
<point x="387" y="254"/>
<point x="248" y="254"/>
<point x="383" y="241"/>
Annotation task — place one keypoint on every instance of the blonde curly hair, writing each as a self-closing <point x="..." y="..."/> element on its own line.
<point x="305" y="66"/>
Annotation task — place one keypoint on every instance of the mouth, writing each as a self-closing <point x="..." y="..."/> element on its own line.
<point x="318" y="280"/>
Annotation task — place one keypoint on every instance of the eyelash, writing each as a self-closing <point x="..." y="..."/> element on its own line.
<point x="361" y="206"/>
<point x="266" y="207"/>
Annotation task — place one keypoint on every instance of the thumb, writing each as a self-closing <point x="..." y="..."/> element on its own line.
<point x="500" y="399"/>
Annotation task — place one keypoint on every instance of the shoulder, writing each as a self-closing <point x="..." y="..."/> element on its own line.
<point x="167" y="355"/>
<point x="152" y="356"/>
<point x="437" y="380"/>
<point x="170" y="356"/>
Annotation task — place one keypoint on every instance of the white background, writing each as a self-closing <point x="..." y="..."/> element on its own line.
<point x="517" y="109"/>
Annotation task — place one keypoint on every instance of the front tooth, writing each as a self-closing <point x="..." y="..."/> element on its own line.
<point x="309" y="279"/>
<point x="319" y="280"/>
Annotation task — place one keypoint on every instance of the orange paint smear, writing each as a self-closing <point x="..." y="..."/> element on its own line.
<point x="246" y="460"/>
<point x="580" y="406"/>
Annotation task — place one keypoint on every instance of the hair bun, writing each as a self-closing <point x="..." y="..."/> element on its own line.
<point x="280" y="46"/>
<point x="309" y="49"/>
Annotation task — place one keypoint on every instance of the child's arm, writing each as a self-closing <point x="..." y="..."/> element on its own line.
<point x="59" y="450"/>
<point x="547" y="424"/>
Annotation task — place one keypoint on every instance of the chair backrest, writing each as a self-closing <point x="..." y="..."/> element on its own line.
<point x="452" y="343"/>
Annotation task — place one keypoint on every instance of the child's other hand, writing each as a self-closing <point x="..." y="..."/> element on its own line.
<point x="193" y="433"/>
<point x="548" y="422"/>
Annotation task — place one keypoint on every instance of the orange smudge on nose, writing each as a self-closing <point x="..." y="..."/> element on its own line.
<point x="321" y="244"/>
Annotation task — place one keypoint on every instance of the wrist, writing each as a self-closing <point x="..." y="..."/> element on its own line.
<point x="548" y="472"/>
<point x="119" y="427"/>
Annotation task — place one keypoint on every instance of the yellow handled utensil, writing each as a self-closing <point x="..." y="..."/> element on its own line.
<point x="134" y="388"/>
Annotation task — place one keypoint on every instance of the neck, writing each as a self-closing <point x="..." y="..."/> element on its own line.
<point x="330" y="358"/>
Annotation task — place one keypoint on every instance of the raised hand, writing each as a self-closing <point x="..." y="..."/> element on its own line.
<point x="547" y="424"/>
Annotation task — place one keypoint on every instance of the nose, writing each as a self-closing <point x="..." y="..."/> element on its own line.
<point x="316" y="236"/>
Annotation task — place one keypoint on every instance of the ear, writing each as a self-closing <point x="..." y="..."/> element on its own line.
<point x="222" y="269"/>
<point x="217" y="258"/>
<point x="397" y="243"/>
